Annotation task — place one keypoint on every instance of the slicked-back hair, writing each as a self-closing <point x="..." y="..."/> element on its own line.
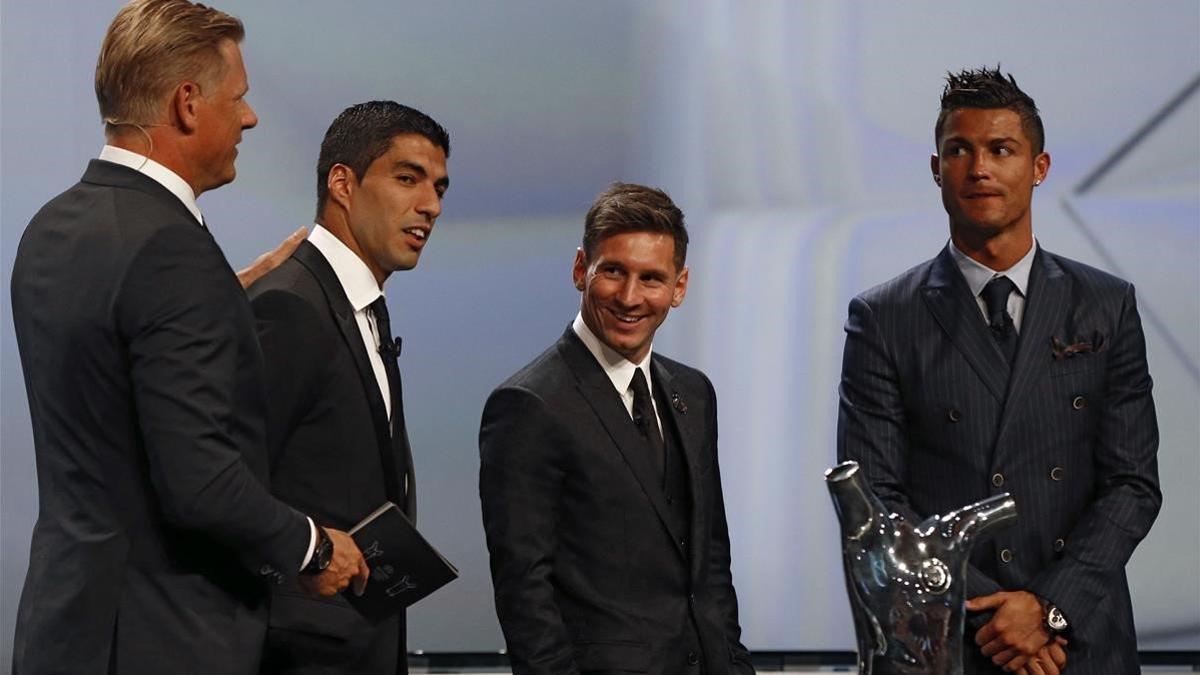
<point x="150" y="48"/>
<point x="628" y="207"/>
<point x="362" y="133"/>
<point x="988" y="89"/>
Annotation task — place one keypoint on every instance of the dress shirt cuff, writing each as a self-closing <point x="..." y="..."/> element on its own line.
<point x="312" y="542"/>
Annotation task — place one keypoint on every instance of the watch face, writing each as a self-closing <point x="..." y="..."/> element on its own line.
<point x="1056" y="620"/>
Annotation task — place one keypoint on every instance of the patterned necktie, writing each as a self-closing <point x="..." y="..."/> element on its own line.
<point x="646" y="421"/>
<point x="995" y="298"/>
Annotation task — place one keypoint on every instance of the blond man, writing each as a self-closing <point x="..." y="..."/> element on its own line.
<point x="156" y="535"/>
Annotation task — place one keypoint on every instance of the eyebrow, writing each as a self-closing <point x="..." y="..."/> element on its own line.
<point x="443" y="182"/>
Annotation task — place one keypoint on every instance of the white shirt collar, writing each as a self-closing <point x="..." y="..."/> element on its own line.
<point x="156" y="172"/>
<point x="354" y="275"/>
<point x="618" y="368"/>
<point x="978" y="274"/>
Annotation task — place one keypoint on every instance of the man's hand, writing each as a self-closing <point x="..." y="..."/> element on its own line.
<point x="1050" y="660"/>
<point x="347" y="566"/>
<point x="271" y="259"/>
<point x="1017" y="630"/>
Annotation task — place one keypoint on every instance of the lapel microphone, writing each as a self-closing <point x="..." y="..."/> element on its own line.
<point x="391" y="349"/>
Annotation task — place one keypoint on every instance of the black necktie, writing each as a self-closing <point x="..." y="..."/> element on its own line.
<point x="646" y="421"/>
<point x="995" y="298"/>
<point x="389" y="350"/>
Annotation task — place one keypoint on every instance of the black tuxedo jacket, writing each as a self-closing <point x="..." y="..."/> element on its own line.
<point x="589" y="576"/>
<point x="328" y="431"/>
<point x="143" y="376"/>
<point x="931" y="411"/>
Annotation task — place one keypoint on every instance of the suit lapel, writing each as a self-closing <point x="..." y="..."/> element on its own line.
<point x="690" y="439"/>
<point x="952" y="305"/>
<point x="343" y="316"/>
<point x="1046" y="306"/>
<point x="598" y="391"/>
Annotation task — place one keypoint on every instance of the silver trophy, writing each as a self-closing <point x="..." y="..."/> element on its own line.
<point x="907" y="584"/>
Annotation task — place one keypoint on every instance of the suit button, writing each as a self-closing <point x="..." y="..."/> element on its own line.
<point x="1056" y="473"/>
<point x="693" y="660"/>
<point x="1058" y="545"/>
<point x="1079" y="403"/>
<point x="670" y="500"/>
<point x="1005" y="555"/>
<point x="692" y="599"/>
<point x="997" y="479"/>
<point x="954" y="415"/>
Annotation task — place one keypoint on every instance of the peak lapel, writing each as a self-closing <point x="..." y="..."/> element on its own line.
<point x="691" y="439"/>
<point x="950" y="301"/>
<point x="1046" y="306"/>
<point x="598" y="391"/>
<point x="343" y="315"/>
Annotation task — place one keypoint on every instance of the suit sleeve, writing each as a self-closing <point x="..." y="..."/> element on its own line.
<point x="1128" y="495"/>
<point x="720" y="576"/>
<point x="519" y="486"/>
<point x="183" y="342"/>
<point x="296" y="353"/>
<point x="872" y="428"/>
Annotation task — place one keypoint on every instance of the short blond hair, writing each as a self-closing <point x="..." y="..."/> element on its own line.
<point x="152" y="46"/>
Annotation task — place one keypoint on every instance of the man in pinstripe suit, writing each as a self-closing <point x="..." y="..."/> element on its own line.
<point x="996" y="367"/>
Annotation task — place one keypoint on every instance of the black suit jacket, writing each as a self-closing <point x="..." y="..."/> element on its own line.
<point x="588" y="575"/>
<point x="143" y="376"/>
<point x="328" y="427"/>
<point x="930" y="410"/>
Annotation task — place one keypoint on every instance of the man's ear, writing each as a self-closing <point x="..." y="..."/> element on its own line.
<point x="185" y="104"/>
<point x="1041" y="167"/>
<point x="579" y="269"/>
<point x="680" y="288"/>
<point x="935" y="166"/>
<point x="341" y="185"/>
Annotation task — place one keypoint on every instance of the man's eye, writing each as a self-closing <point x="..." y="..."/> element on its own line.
<point x="1004" y="151"/>
<point x="406" y="179"/>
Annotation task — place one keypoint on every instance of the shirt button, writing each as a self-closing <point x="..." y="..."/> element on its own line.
<point x="693" y="659"/>
<point x="997" y="479"/>
<point x="1005" y="555"/>
<point x="1056" y="473"/>
<point x="1079" y="403"/>
<point x="1058" y="545"/>
<point x="954" y="415"/>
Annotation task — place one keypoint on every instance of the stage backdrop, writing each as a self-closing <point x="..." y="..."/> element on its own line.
<point x="796" y="137"/>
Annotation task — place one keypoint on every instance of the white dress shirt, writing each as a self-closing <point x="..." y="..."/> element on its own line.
<point x="619" y="369"/>
<point x="179" y="187"/>
<point x="361" y="290"/>
<point x="978" y="275"/>
<point x="156" y="172"/>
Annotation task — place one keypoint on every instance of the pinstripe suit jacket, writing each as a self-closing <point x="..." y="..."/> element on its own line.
<point x="930" y="409"/>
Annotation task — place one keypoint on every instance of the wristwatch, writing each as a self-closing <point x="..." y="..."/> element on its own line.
<point x="1055" y="621"/>
<point x="322" y="554"/>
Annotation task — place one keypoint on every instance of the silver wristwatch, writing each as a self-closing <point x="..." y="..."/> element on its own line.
<point x="1055" y="621"/>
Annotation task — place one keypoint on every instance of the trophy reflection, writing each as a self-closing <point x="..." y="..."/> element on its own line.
<point x="907" y="583"/>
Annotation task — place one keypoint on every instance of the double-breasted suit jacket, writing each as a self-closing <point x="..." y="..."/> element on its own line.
<point x="933" y="412"/>
<point x="329" y="446"/>
<point x="592" y="574"/>
<point x="145" y="391"/>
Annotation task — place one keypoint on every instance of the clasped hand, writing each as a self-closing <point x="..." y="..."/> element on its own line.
<point x="1016" y="638"/>
<point x="347" y="567"/>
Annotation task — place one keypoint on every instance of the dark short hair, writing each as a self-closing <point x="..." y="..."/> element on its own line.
<point x="988" y="89"/>
<point x="628" y="207"/>
<point x="362" y="133"/>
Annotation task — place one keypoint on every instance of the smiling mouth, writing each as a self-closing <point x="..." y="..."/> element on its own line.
<point x="417" y="232"/>
<point x="628" y="319"/>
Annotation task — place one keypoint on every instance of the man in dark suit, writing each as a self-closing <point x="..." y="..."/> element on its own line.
<point x="339" y="447"/>
<point x="1001" y="367"/>
<point x="599" y="478"/>
<point x="155" y="526"/>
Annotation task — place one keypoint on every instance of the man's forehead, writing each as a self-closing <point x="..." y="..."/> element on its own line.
<point x="986" y="122"/>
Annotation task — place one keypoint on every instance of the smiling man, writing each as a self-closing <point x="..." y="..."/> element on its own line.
<point x="1001" y="367"/>
<point x="335" y="416"/>
<point x="599" y="479"/>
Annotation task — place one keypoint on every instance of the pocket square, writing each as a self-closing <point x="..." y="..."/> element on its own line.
<point x="1062" y="350"/>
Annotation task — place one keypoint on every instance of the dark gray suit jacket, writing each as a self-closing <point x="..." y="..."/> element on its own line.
<point x="328" y="430"/>
<point x="931" y="411"/>
<point x="589" y="575"/>
<point x="143" y="375"/>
